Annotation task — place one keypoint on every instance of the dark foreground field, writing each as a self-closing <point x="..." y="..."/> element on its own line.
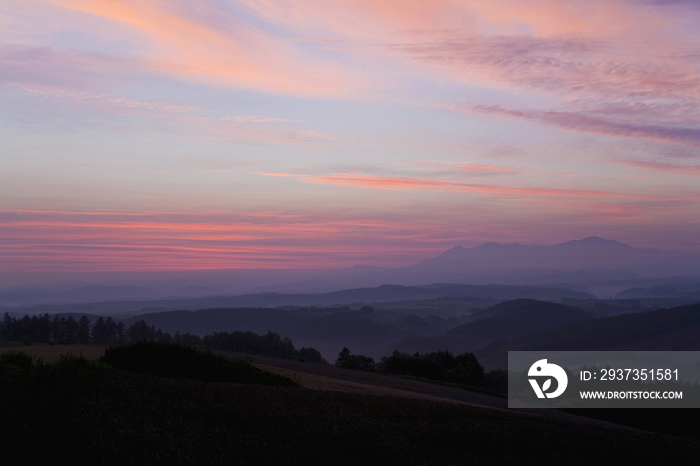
<point x="86" y="414"/>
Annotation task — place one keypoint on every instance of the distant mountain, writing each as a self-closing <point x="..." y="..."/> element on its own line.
<point x="84" y="294"/>
<point x="590" y="254"/>
<point x="587" y="264"/>
<point x="93" y="293"/>
<point x="603" y="267"/>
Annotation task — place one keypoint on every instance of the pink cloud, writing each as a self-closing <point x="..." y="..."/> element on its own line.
<point x="32" y="240"/>
<point x="553" y="17"/>
<point x="55" y="240"/>
<point x="486" y="169"/>
<point x="569" y="66"/>
<point x="466" y="167"/>
<point x="42" y="69"/>
<point x="689" y="170"/>
<point x="598" y="125"/>
<point x="423" y="184"/>
<point x="199" y="44"/>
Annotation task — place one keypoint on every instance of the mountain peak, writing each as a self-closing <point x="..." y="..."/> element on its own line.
<point x="595" y="241"/>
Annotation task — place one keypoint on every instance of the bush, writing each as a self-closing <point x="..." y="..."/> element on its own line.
<point x="440" y="365"/>
<point x="270" y="344"/>
<point x="19" y="360"/>
<point x="183" y="362"/>
<point x="497" y="382"/>
<point x="311" y="355"/>
<point x="357" y="362"/>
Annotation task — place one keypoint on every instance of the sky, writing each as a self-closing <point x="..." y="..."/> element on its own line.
<point x="213" y="134"/>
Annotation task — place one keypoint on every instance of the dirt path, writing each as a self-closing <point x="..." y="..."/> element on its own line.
<point x="319" y="382"/>
<point x="325" y="377"/>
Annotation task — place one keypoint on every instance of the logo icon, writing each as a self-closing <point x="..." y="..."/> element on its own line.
<point x="543" y="369"/>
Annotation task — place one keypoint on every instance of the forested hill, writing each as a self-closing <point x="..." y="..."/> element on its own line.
<point x="674" y="329"/>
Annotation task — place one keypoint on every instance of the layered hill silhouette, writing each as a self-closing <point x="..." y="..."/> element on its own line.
<point x="504" y="321"/>
<point x="675" y="329"/>
<point x="383" y="293"/>
<point x="515" y="318"/>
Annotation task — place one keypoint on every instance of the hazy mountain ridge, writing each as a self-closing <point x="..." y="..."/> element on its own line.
<point x="592" y="254"/>
<point x="384" y="293"/>
<point x="680" y="289"/>
<point x="603" y="267"/>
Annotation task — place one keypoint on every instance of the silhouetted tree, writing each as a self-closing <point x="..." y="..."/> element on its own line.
<point x="70" y="331"/>
<point x="270" y="344"/>
<point x="187" y="339"/>
<point x="120" y="336"/>
<point x="7" y="327"/>
<point x="140" y="331"/>
<point x="311" y="355"/>
<point x="84" y="330"/>
<point x="354" y="361"/>
<point x="100" y="332"/>
<point x="111" y="329"/>
<point x="439" y="365"/>
<point x="468" y="370"/>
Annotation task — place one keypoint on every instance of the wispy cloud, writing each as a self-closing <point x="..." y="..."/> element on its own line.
<point x="310" y="90"/>
<point x="568" y="66"/>
<point x="424" y="184"/>
<point x="202" y="123"/>
<point x="594" y="124"/>
<point x="466" y="168"/>
<point x="255" y="119"/>
<point x="194" y="42"/>
<point x="101" y="99"/>
<point x="45" y="66"/>
<point x="689" y="170"/>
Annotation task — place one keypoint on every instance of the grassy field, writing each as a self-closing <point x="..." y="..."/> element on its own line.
<point x="97" y="415"/>
<point x="104" y="416"/>
<point x="51" y="353"/>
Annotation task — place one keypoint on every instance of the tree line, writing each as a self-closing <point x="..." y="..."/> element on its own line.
<point x="105" y="331"/>
<point x="439" y="366"/>
<point x="270" y="344"/>
<point x="68" y="330"/>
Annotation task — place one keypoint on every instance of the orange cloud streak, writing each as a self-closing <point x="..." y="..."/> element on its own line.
<point x="418" y="184"/>
<point x="163" y="241"/>
<point x="235" y="55"/>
